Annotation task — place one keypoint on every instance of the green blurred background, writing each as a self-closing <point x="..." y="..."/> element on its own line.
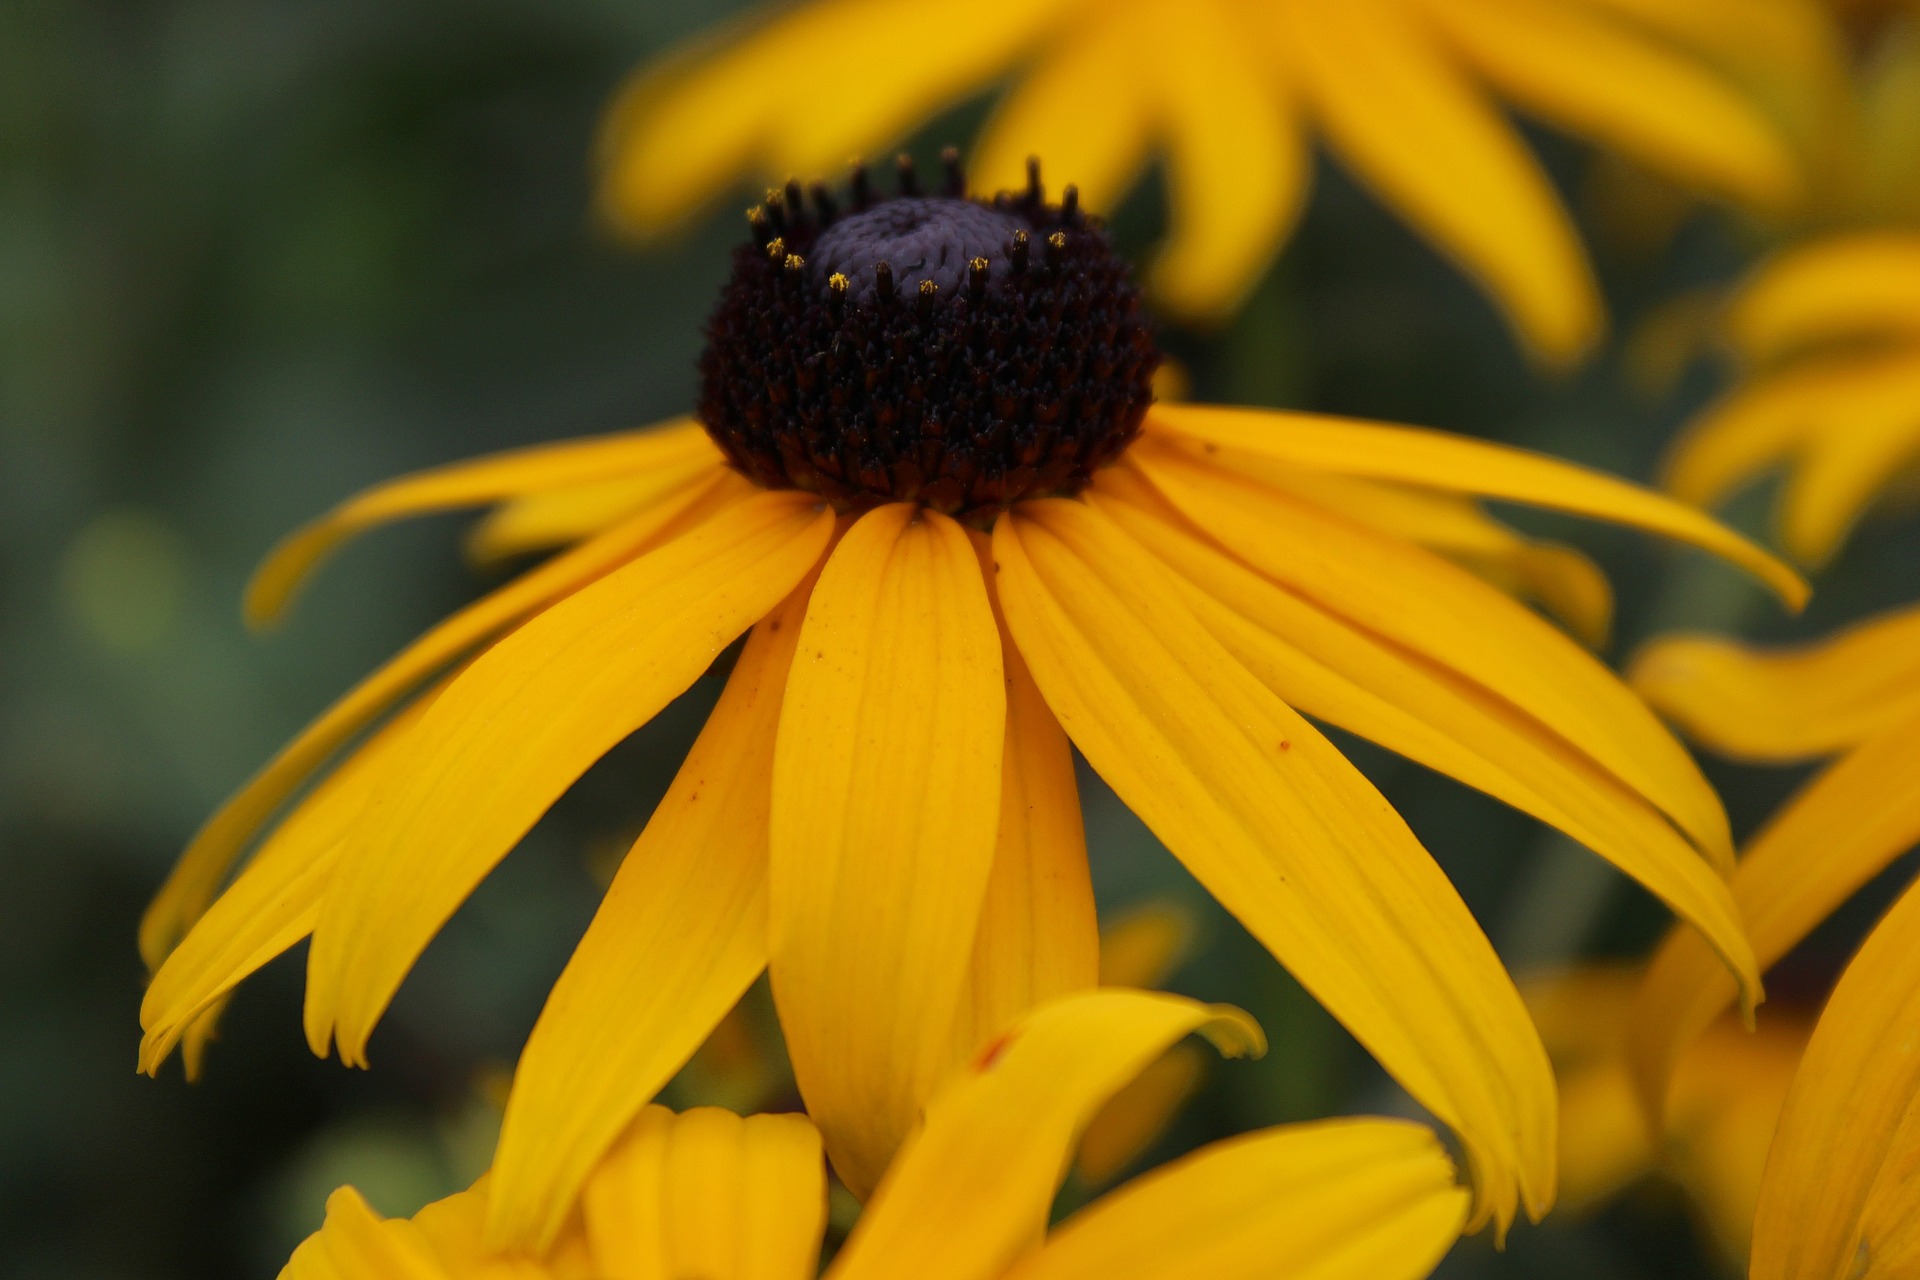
<point x="253" y="256"/>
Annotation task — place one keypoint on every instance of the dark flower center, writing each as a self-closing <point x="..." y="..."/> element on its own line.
<point x="959" y="353"/>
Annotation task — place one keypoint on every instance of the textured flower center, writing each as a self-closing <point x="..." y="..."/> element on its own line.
<point x="959" y="353"/>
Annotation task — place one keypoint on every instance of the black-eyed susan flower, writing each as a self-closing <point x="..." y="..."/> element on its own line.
<point x="711" y="1194"/>
<point x="1405" y="94"/>
<point x="927" y="478"/>
<point x="1839" y="1198"/>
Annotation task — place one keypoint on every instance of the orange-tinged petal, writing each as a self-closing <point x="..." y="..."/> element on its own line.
<point x="1444" y="615"/>
<point x="357" y="1244"/>
<point x="1829" y="840"/>
<point x="515" y="730"/>
<point x="709" y="1194"/>
<point x="197" y="875"/>
<point x="1845" y="286"/>
<point x="1848" y="1121"/>
<point x="1396" y="112"/>
<point x="680" y="935"/>
<point x="1037" y="937"/>
<point x="1373" y="1198"/>
<point x="467" y="484"/>
<point x="972" y="1187"/>
<point x="886" y="799"/>
<point x="1595" y="79"/>
<point x="1350" y="678"/>
<point x="1790" y="703"/>
<point x="1283" y="831"/>
<point x="1437" y="460"/>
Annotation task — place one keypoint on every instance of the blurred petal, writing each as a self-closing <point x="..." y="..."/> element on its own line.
<point x="356" y="1244"/>
<point x="971" y="1189"/>
<point x="1349" y="678"/>
<point x="1830" y="839"/>
<point x="1438" y="460"/>
<point x="680" y="935"/>
<point x="1789" y="703"/>
<point x="1858" y="445"/>
<point x="1283" y="831"/>
<point x="709" y="1194"/>
<point x="1593" y="78"/>
<point x="1446" y="616"/>
<point x="1136" y="1116"/>
<point x="1143" y="945"/>
<point x="1373" y="1198"/>
<point x="468" y="484"/>
<point x="1841" y="1132"/>
<point x="886" y="798"/>
<point x="515" y="730"/>
<point x="1411" y="127"/>
<point x="1843" y="286"/>
<point x="197" y="875"/>
<point x="1237" y="164"/>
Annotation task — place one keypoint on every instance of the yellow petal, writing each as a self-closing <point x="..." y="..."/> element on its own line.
<point x="1037" y="937"/>
<point x="1437" y="460"/>
<point x="1349" y="678"/>
<point x="357" y="1244"/>
<point x="1136" y="1117"/>
<point x="1843" y="286"/>
<point x="1045" y="114"/>
<point x="520" y="725"/>
<point x="198" y="874"/>
<point x="467" y="484"/>
<point x="709" y="1194"/>
<point x="1237" y="163"/>
<point x="972" y="1188"/>
<point x="1396" y="112"/>
<point x="1373" y="1198"/>
<point x="1142" y="946"/>
<point x="558" y="517"/>
<point x="1858" y="445"/>
<point x="886" y="798"/>
<point x="1283" y="831"/>
<point x="1785" y="704"/>
<point x="1842" y="1132"/>
<point x="1829" y="840"/>
<point x="1752" y="430"/>
<point x="271" y="905"/>
<point x="680" y="935"/>
<point x="1447" y="617"/>
<point x="1595" y="79"/>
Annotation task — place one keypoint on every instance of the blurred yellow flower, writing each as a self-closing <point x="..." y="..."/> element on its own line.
<point x="960" y="536"/>
<point x="707" y="1193"/>
<point x="1405" y="94"/>
<point x="1840" y="1198"/>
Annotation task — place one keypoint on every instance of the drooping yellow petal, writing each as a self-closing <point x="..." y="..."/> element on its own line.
<point x="1237" y="163"/>
<point x="1314" y="662"/>
<point x="1037" y="937"/>
<point x="468" y="484"/>
<point x="270" y="906"/>
<point x="1447" y="617"/>
<point x="1829" y="840"/>
<point x="709" y="1194"/>
<point x="886" y="799"/>
<point x="197" y="875"/>
<point x="1283" y="831"/>
<point x="357" y="1244"/>
<point x="1848" y="1115"/>
<point x="1844" y="286"/>
<point x="680" y="935"/>
<point x="972" y="1187"/>
<point x="1396" y="111"/>
<point x="1373" y="1198"/>
<point x="520" y="725"/>
<point x="557" y="517"/>
<point x="1437" y="460"/>
<point x="1785" y="704"/>
<point x="1595" y="79"/>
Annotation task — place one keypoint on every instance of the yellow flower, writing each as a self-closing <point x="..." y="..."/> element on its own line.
<point x="1839" y="1198"/>
<point x="1726" y="1100"/>
<point x="972" y="540"/>
<point x="707" y="1193"/>
<point x="1403" y="92"/>
<point x="1829" y="333"/>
